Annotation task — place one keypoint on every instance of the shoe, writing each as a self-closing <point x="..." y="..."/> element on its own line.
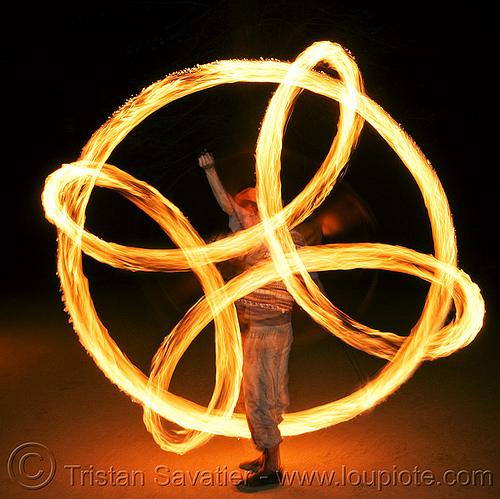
<point x="254" y="465"/>
<point x="261" y="479"/>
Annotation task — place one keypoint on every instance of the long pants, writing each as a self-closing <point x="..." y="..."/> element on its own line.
<point x="266" y="350"/>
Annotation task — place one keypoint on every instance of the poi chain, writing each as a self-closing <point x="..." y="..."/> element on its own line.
<point x="67" y="192"/>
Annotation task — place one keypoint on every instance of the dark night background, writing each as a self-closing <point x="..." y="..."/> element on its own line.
<point x="66" y="67"/>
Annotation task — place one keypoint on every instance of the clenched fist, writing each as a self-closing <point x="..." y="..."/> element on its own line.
<point x="206" y="160"/>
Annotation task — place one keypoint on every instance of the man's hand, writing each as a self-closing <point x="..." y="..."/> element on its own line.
<point x="206" y="160"/>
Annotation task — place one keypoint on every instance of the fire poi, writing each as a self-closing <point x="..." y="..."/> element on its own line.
<point x="68" y="189"/>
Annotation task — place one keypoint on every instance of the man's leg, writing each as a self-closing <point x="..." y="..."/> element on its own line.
<point x="265" y="386"/>
<point x="272" y="461"/>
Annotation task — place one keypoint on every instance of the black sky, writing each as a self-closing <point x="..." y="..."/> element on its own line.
<point x="67" y="67"/>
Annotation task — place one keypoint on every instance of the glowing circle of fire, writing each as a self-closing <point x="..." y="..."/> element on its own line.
<point x="67" y="192"/>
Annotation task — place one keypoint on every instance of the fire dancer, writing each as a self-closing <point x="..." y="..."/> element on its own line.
<point x="265" y="321"/>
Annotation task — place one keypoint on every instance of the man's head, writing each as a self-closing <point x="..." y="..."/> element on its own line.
<point x="247" y="200"/>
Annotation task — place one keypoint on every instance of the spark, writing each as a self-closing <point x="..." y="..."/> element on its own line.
<point x="67" y="192"/>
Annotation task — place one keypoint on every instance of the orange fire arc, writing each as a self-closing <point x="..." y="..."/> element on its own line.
<point x="68" y="189"/>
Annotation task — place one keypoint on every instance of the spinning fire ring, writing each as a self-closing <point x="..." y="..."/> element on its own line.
<point x="67" y="192"/>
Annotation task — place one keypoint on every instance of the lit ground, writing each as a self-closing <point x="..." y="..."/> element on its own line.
<point x="443" y="421"/>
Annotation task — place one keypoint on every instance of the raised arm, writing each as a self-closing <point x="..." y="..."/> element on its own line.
<point x="226" y="202"/>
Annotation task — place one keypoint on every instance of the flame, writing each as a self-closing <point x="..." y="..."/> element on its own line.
<point x="68" y="189"/>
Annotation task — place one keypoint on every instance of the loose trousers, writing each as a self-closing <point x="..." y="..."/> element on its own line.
<point x="266" y="351"/>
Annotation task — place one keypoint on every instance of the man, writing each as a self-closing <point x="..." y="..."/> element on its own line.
<point x="265" y="318"/>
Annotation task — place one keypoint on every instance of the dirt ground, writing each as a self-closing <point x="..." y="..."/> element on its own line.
<point x="437" y="436"/>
